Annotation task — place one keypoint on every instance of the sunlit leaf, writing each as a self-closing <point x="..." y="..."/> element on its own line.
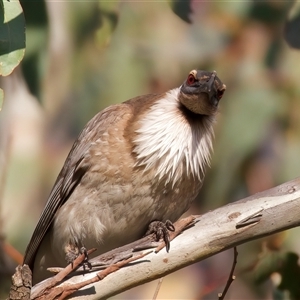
<point x="12" y="36"/>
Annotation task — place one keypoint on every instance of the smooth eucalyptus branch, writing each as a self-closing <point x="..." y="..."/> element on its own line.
<point x="260" y="215"/>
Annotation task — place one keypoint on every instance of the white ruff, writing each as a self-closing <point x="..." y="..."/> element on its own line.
<point x="167" y="141"/>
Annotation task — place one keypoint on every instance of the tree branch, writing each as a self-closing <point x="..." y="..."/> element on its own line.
<point x="251" y="218"/>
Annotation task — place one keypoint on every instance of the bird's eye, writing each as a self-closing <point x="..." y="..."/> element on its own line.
<point x="191" y="79"/>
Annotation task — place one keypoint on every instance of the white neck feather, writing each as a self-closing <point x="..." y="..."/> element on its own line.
<point x="167" y="142"/>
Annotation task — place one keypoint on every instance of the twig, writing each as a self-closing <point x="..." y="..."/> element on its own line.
<point x="70" y="289"/>
<point x="51" y="291"/>
<point x="157" y="288"/>
<point x="46" y="289"/>
<point x="231" y="277"/>
<point x="12" y="252"/>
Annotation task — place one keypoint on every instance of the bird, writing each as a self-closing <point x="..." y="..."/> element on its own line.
<point x="134" y="163"/>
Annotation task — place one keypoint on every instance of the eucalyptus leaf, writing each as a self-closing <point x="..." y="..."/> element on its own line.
<point x="292" y="27"/>
<point x="12" y="36"/>
<point x="182" y="8"/>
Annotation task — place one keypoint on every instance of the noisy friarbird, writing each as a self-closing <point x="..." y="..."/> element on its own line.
<point x="134" y="163"/>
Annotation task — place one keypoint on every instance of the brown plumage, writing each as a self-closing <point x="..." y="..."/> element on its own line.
<point x="134" y="163"/>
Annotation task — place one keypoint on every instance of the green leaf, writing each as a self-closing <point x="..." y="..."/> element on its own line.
<point x="108" y="22"/>
<point x="290" y="274"/>
<point x="182" y="8"/>
<point x="292" y="25"/>
<point x="1" y="98"/>
<point x="12" y="36"/>
<point x="268" y="262"/>
<point x="283" y="263"/>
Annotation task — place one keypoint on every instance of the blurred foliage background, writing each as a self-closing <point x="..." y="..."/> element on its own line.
<point x="83" y="56"/>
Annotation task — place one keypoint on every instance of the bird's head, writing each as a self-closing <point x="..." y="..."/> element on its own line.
<point x="201" y="92"/>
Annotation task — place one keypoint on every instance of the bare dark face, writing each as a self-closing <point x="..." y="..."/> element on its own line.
<point x="202" y="91"/>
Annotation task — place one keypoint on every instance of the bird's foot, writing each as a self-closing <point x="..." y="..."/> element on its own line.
<point x="72" y="252"/>
<point x="86" y="262"/>
<point x="161" y="231"/>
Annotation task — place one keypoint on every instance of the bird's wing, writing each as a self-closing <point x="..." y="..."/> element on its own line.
<point x="76" y="165"/>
